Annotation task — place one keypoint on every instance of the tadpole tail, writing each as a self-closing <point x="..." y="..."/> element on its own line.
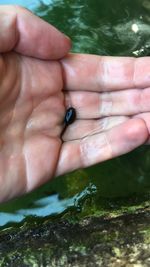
<point x="64" y="129"/>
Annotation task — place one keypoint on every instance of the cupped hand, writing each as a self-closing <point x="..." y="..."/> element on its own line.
<point x="37" y="85"/>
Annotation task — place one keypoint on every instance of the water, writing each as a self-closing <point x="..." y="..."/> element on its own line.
<point x="104" y="27"/>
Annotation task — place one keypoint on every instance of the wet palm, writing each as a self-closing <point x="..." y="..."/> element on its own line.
<point x="31" y="120"/>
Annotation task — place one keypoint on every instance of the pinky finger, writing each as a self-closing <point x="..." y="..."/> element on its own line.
<point x="102" y="146"/>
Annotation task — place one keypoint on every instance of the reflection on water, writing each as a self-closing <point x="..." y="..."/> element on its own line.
<point x="43" y="207"/>
<point x="103" y="27"/>
<point x="30" y="4"/>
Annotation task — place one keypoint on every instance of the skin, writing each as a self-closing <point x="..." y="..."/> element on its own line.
<point x="39" y="80"/>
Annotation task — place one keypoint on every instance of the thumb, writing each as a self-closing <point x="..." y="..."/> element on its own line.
<point x="29" y="35"/>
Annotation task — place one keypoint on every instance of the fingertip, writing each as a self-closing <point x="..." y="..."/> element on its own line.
<point x="137" y="131"/>
<point x="128" y="136"/>
<point x="64" y="48"/>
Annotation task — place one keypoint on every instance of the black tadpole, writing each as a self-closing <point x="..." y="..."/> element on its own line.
<point x="70" y="117"/>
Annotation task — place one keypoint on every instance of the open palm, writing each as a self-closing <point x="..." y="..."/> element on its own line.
<point x="31" y="120"/>
<point x="37" y="88"/>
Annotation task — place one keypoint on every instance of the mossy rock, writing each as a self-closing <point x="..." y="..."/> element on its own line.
<point x="118" y="241"/>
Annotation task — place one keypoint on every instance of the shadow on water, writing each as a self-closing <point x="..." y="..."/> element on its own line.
<point x="105" y="28"/>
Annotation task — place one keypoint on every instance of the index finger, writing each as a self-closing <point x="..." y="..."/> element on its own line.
<point x="102" y="73"/>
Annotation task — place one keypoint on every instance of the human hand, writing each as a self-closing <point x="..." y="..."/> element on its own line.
<point x="31" y="102"/>
<point x="36" y="91"/>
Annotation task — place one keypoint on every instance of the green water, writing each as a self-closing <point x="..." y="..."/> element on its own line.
<point x="102" y="27"/>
